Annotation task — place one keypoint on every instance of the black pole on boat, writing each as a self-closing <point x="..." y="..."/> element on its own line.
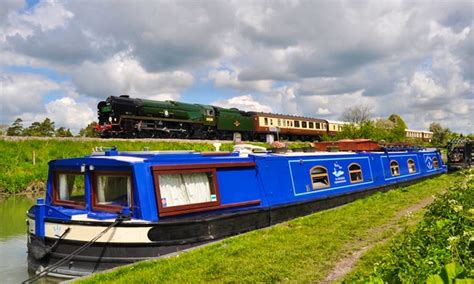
<point x="120" y="218"/>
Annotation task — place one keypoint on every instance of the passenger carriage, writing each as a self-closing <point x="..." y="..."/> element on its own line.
<point x="153" y="203"/>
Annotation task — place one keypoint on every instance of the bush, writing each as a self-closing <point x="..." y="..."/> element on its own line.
<point x="442" y="240"/>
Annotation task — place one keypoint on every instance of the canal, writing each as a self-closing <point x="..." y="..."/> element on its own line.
<point x="13" y="264"/>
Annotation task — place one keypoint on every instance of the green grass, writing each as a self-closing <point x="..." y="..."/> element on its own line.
<point x="302" y="250"/>
<point x="441" y="242"/>
<point x="18" y="170"/>
<point x="16" y="157"/>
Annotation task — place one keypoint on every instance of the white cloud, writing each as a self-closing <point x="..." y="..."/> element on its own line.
<point x="245" y="102"/>
<point x="21" y="93"/>
<point x="230" y="79"/>
<point x="297" y="57"/>
<point x="123" y="75"/>
<point x="68" y="113"/>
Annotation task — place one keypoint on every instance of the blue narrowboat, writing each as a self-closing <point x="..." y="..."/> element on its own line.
<point x="113" y="208"/>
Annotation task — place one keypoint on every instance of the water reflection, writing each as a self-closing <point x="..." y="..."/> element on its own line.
<point x="13" y="265"/>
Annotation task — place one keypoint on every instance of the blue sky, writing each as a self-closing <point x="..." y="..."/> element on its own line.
<point x="58" y="59"/>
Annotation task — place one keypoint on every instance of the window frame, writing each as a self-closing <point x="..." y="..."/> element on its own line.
<point x="435" y="165"/>
<point x="414" y="166"/>
<point x="55" y="196"/>
<point x="391" y="168"/>
<point x="187" y="208"/>
<point x="319" y="175"/>
<point x="297" y="123"/>
<point x="355" y="171"/>
<point x="94" y="192"/>
<point x="304" y="124"/>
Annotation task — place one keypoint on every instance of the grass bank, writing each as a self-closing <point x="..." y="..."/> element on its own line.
<point x="438" y="250"/>
<point x="302" y="250"/>
<point x="24" y="161"/>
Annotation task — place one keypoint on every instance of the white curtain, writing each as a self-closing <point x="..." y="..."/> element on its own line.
<point x="109" y="188"/>
<point x="183" y="189"/>
<point x="63" y="187"/>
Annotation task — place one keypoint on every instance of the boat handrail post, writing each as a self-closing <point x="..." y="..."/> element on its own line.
<point x="40" y="212"/>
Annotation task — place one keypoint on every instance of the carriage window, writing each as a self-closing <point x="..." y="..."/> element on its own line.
<point x="411" y="166"/>
<point x="311" y="125"/>
<point x="112" y="191"/>
<point x="303" y="124"/>
<point x="297" y="123"/>
<point x="69" y="189"/>
<point x="318" y="125"/>
<point x="186" y="188"/>
<point x="319" y="177"/>
<point x="355" y="173"/>
<point x="279" y="122"/>
<point x="394" y="168"/>
<point x="435" y="163"/>
<point x="265" y="120"/>
<point x="271" y="121"/>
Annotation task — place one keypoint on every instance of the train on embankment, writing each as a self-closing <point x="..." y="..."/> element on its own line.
<point x="125" y="117"/>
<point x="112" y="208"/>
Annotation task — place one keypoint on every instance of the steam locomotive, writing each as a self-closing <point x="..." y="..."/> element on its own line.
<point x="125" y="117"/>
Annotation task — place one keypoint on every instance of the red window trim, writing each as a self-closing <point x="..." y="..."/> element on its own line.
<point x="189" y="208"/>
<point x="61" y="202"/>
<point x="109" y="208"/>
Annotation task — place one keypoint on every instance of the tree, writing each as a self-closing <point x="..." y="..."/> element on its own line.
<point x="45" y="128"/>
<point x="16" y="129"/>
<point x="63" y="132"/>
<point x="440" y="135"/>
<point x="357" y="114"/>
<point x="89" y="130"/>
<point x="398" y="131"/>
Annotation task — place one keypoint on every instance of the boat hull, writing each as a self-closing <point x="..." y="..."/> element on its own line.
<point x="164" y="238"/>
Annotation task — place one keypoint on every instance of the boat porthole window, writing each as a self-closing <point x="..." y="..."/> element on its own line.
<point x="355" y="173"/>
<point x="319" y="177"/>
<point x="394" y="168"/>
<point x="435" y="163"/>
<point x="411" y="166"/>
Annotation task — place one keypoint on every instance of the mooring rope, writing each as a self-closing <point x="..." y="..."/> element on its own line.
<point x="74" y="253"/>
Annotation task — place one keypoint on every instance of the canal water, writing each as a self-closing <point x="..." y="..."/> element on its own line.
<point x="13" y="264"/>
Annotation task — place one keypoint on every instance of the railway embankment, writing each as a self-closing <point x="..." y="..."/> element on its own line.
<point x="24" y="160"/>
<point x="342" y="243"/>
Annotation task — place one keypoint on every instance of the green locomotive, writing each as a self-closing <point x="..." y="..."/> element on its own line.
<point x="127" y="117"/>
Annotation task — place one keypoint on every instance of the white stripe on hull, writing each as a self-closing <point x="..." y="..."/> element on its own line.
<point x="85" y="233"/>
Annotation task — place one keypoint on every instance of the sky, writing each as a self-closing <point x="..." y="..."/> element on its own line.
<point x="58" y="59"/>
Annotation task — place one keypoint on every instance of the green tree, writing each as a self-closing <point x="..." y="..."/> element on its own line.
<point x="45" y="128"/>
<point x="89" y="130"/>
<point x="398" y="131"/>
<point x="441" y="135"/>
<point x="16" y="129"/>
<point x="63" y="132"/>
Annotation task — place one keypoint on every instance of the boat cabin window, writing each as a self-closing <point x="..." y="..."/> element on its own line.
<point x="68" y="189"/>
<point x="186" y="190"/>
<point x="319" y="177"/>
<point x="411" y="166"/>
<point x="355" y="173"/>
<point x="435" y="163"/>
<point x="112" y="191"/>
<point x="394" y="169"/>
